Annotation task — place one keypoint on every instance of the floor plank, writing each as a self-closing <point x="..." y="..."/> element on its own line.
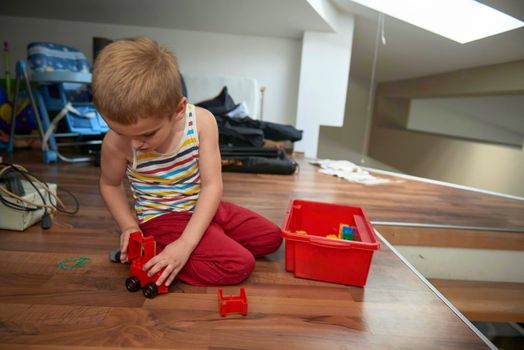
<point x="485" y="301"/>
<point x="452" y="238"/>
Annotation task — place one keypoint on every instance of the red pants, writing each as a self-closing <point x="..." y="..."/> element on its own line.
<point x="226" y="253"/>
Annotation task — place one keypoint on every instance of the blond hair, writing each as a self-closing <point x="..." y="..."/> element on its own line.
<point x="136" y="78"/>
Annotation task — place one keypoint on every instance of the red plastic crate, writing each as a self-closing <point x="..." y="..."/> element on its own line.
<point x="314" y="256"/>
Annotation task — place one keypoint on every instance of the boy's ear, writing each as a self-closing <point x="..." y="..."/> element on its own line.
<point x="181" y="108"/>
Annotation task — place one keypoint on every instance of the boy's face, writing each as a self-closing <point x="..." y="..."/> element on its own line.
<point x="150" y="134"/>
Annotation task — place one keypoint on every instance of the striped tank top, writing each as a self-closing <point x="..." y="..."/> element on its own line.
<point x="165" y="183"/>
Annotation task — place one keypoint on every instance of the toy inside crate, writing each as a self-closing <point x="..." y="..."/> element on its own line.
<point x="311" y="254"/>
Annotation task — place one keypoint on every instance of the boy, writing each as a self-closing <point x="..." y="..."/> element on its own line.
<point x="169" y="151"/>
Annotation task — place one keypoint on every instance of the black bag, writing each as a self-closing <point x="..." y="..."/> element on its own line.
<point x="238" y="136"/>
<point x="280" y="132"/>
<point x="257" y="160"/>
<point x="232" y="152"/>
<point x="272" y="131"/>
<point x="219" y="105"/>
<point x="260" y="165"/>
<point x="235" y="131"/>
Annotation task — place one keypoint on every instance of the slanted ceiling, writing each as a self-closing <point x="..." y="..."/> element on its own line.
<point x="409" y="52"/>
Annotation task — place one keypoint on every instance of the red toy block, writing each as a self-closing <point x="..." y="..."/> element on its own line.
<point x="232" y="303"/>
<point x="140" y="250"/>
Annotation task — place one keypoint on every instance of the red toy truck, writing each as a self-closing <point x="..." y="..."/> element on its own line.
<point x="140" y="250"/>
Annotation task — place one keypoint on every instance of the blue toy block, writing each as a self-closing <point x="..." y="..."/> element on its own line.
<point x="345" y="232"/>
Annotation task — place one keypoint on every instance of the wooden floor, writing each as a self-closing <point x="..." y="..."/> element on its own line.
<point x="46" y="307"/>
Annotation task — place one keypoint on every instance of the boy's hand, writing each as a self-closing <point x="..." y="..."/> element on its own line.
<point x="124" y="241"/>
<point x="173" y="258"/>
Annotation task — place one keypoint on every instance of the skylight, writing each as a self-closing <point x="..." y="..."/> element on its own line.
<point x="459" y="20"/>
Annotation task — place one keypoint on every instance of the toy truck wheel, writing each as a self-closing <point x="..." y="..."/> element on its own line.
<point x="132" y="284"/>
<point x="150" y="290"/>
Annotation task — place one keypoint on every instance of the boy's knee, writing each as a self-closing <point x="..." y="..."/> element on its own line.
<point x="233" y="271"/>
<point x="215" y="273"/>
<point x="240" y="269"/>
<point x="276" y="239"/>
<point x="236" y="270"/>
<point x="270" y="242"/>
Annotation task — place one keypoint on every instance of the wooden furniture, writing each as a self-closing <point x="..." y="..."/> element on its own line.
<point x="45" y="307"/>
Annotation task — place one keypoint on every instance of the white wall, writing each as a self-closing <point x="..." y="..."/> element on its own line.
<point x="274" y="62"/>
<point x="492" y="167"/>
<point x="498" y="119"/>
<point x="324" y="71"/>
<point x="338" y="142"/>
<point x="485" y="166"/>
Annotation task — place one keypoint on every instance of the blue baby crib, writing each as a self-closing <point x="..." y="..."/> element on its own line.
<point x="62" y="78"/>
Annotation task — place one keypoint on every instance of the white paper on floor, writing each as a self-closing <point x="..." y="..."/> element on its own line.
<point x="349" y="171"/>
